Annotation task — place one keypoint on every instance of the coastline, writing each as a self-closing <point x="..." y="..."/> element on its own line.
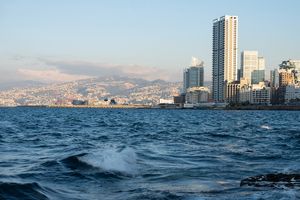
<point x="136" y="106"/>
<point x="263" y="107"/>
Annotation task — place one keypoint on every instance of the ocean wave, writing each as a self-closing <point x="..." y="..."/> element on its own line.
<point x="113" y="160"/>
<point x="74" y="163"/>
<point x="22" y="191"/>
<point x="110" y="160"/>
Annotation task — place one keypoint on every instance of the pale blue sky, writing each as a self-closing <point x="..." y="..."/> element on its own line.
<point x="161" y="35"/>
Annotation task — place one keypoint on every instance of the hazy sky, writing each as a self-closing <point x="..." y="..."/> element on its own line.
<point x="70" y="39"/>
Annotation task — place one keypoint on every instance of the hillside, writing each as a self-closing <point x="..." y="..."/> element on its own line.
<point x="124" y="90"/>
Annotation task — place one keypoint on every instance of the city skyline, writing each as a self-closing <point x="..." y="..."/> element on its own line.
<point x="54" y="41"/>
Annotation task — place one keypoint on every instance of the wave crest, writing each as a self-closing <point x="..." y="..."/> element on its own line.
<point x="113" y="160"/>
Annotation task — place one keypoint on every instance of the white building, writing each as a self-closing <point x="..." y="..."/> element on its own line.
<point x="249" y="62"/>
<point x="245" y="93"/>
<point x="291" y="92"/>
<point x="253" y="67"/>
<point x="225" y="46"/>
<point x="166" y="101"/>
<point x="260" y="94"/>
<point x="296" y="64"/>
<point x="195" y="95"/>
<point x="255" y="94"/>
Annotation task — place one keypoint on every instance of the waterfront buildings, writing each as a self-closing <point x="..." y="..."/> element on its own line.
<point x="255" y="94"/>
<point x="225" y="46"/>
<point x="260" y="94"/>
<point x="292" y="92"/>
<point x="193" y="76"/>
<point x="179" y="100"/>
<point x="196" y="95"/>
<point x="287" y="80"/>
<point x="232" y="92"/>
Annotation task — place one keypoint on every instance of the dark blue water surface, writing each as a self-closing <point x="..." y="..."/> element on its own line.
<point x="50" y="153"/>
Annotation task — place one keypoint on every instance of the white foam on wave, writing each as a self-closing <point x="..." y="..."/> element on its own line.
<point x="266" y="127"/>
<point x="114" y="160"/>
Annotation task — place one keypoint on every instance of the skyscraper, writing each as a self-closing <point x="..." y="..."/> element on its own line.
<point x="249" y="63"/>
<point x="258" y="75"/>
<point x="225" y="46"/>
<point x="193" y="76"/>
<point x="253" y="67"/>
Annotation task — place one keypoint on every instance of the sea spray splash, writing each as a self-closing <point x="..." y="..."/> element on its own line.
<point x="113" y="160"/>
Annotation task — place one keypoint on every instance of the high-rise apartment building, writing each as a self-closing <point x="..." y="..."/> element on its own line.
<point x="225" y="46"/>
<point x="258" y="75"/>
<point x="193" y="76"/>
<point x="249" y="63"/>
<point x="253" y="67"/>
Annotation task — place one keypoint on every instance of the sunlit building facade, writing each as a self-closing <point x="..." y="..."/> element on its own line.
<point x="225" y="46"/>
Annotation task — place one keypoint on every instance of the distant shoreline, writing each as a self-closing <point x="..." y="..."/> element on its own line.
<point x="251" y="107"/>
<point x="262" y="107"/>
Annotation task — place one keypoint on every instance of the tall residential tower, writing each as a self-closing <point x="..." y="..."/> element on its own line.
<point x="225" y="46"/>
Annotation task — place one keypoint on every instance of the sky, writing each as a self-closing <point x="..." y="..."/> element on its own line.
<point x="65" y="40"/>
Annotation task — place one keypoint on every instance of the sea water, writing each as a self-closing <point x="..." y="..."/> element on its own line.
<point x="82" y="153"/>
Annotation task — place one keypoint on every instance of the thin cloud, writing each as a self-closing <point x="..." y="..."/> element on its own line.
<point x="104" y="69"/>
<point x="51" y="75"/>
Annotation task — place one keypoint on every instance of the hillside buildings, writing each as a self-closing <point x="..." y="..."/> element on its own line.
<point x="225" y="46"/>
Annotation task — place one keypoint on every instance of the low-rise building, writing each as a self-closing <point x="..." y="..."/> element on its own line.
<point x="166" y="101"/>
<point x="292" y="92"/>
<point x="232" y="92"/>
<point x="195" y="95"/>
<point x="245" y="94"/>
<point x="179" y="100"/>
<point x="260" y="94"/>
<point x="255" y="94"/>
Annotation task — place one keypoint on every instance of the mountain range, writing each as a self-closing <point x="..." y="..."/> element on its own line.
<point x="123" y="90"/>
